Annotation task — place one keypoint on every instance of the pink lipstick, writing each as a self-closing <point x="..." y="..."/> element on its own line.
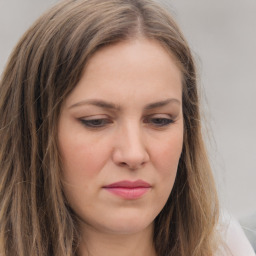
<point x="128" y="189"/>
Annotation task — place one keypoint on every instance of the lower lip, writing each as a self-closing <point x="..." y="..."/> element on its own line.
<point x="129" y="193"/>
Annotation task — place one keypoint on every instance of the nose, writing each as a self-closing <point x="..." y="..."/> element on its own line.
<point x="130" y="150"/>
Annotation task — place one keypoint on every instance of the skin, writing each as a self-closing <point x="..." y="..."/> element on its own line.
<point x="110" y="130"/>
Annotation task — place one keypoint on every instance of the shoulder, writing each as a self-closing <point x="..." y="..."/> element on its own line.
<point x="234" y="238"/>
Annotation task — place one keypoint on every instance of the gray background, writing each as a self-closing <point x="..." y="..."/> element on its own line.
<point x="222" y="35"/>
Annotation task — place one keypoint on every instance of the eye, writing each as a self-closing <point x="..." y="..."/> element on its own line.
<point x="95" y="123"/>
<point x="158" y="121"/>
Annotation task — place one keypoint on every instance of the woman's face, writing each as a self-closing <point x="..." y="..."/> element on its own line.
<point x="121" y="135"/>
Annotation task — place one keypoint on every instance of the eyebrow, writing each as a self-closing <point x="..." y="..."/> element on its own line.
<point x="161" y="103"/>
<point x="98" y="103"/>
<point x="113" y="106"/>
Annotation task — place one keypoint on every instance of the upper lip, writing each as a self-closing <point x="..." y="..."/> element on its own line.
<point x="129" y="184"/>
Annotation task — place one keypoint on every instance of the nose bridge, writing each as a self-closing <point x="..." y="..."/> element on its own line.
<point x="130" y="147"/>
<point x="131" y="138"/>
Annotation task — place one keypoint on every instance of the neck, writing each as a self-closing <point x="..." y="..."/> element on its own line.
<point x="95" y="243"/>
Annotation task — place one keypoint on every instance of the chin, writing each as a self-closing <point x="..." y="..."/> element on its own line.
<point x="122" y="224"/>
<point x="130" y="227"/>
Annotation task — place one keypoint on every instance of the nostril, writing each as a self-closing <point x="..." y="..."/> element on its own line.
<point x="131" y="166"/>
<point x="128" y="166"/>
<point x="131" y="158"/>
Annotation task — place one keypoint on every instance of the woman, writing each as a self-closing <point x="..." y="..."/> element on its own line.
<point x="101" y="148"/>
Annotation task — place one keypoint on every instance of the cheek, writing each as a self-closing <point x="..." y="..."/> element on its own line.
<point x="82" y="158"/>
<point x="167" y="154"/>
<point x="82" y="162"/>
<point x="166" y="157"/>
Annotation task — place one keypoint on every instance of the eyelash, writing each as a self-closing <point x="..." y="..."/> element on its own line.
<point x="158" y="122"/>
<point x="95" y="123"/>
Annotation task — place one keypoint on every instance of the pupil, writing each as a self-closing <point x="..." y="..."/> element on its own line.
<point x="96" y="122"/>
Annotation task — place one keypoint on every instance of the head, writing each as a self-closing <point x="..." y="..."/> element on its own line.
<point x="44" y="69"/>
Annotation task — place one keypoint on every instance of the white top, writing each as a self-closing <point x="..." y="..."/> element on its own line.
<point x="235" y="238"/>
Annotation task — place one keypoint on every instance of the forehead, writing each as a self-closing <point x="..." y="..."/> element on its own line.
<point x="132" y="51"/>
<point x="131" y="69"/>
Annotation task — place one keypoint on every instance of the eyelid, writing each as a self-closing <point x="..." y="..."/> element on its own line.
<point x="92" y="117"/>
<point x="95" y="122"/>
<point x="161" y="115"/>
<point x="159" y="120"/>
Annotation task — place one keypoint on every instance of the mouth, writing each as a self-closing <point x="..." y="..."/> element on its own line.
<point x="129" y="190"/>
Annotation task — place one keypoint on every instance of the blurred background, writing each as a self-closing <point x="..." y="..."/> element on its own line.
<point x="222" y="36"/>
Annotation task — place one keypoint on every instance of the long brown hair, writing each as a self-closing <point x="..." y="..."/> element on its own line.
<point x="45" y="66"/>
